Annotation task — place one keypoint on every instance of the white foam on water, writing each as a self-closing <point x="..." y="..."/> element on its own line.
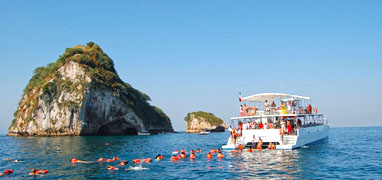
<point x="137" y="168"/>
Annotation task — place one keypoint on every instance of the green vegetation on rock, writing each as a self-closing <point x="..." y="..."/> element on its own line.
<point x="209" y="117"/>
<point x="47" y="85"/>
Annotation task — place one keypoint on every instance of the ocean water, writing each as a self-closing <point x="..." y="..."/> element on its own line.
<point x="350" y="153"/>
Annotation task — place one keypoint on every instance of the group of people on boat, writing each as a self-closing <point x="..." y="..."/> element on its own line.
<point x="286" y="107"/>
<point x="256" y="145"/>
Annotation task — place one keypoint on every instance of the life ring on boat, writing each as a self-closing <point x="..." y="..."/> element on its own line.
<point x="249" y="108"/>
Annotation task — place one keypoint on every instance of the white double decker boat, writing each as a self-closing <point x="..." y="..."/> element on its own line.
<point x="291" y="124"/>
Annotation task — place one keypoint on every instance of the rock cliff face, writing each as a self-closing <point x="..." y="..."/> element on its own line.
<point x="197" y="121"/>
<point x="81" y="94"/>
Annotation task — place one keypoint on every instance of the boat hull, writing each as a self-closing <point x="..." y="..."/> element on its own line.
<point x="304" y="136"/>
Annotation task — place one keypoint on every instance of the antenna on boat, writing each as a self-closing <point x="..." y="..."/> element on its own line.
<point x="282" y="89"/>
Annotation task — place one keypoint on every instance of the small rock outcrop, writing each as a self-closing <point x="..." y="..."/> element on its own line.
<point x="82" y="94"/>
<point x="197" y="121"/>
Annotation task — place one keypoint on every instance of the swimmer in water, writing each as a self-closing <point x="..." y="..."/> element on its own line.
<point x="183" y="151"/>
<point x="192" y="155"/>
<point x="219" y="151"/>
<point x="159" y="157"/>
<point x="220" y="155"/>
<point x="107" y="144"/>
<point x="101" y="159"/>
<point x="36" y="172"/>
<point x="148" y="160"/>
<point x="123" y="163"/>
<point x="240" y="148"/>
<point x="111" y="167"/>
<point x="115" y="158"/>
<point x="74" y="160"/>
<point x="198" y="150"/>
<point x="209" y="155"/>
<point x="8" y="171"/>
<point x="183" y="155"/>
<point x="9" y="159"/>
<point x="174" y="158"/>
<point x="136" y="161"/>
<point x="213" y="150"/>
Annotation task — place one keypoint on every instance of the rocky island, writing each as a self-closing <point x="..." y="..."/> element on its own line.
<point x="82" y="94"/>
<point x="197" y="121"/>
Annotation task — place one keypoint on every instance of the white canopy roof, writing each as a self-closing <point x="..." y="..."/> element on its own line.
<point x="270" y="97"/>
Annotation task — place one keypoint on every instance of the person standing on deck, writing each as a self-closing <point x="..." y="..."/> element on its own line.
<point x="273" y="107"/>
<point x="267" y="107"/>
<point x="289" y="107"/>
<point x="289" y="128"/>
<point x="254" y="142"/>
<point x="283" y="108"/>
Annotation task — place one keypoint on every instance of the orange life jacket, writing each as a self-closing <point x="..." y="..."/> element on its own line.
<point x="135" y="161"/>
<point x="147" y="160"/>
<point x="173" y="158"/>
<point x="111" y="168"/>
<point x="240" y="147"/>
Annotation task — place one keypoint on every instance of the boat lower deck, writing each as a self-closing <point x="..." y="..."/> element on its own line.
<point x="303" y="136"/>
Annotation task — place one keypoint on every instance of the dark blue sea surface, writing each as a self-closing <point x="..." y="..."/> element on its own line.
<point x="354" y="153"/>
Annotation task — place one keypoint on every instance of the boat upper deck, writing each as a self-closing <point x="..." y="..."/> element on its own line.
<point x="263" y="115"/>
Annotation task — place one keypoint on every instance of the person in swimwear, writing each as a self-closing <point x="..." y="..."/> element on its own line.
<point x="123" y="163"/>
<point x="270" y="146"/>
<point x="147" y="160"/>
<point x="183" y="155"/>
<point x="192" y="155"/>
<point x="115" y="158"/>
<point x="101" y="159"/>
<point x="111" y="167"/>
<point x="159" y="157"/>
<point x="209" y="155"/>
<point x="240" y="148"/>
<point x="183" y="151"/>
<point x="174" y="158"/>
<point x="35" y="172"/>
<point x="74" y="160"/>
<point x="289" y="125"/>
<point x="198" y="150"/>
<point x="179" y="156"/>
<point x="136" y="161"/>
<point x="9" y="159"/>
<point x="220" y="155"/>
<point x="260" y="144"/>
<point x="7" y="171"/>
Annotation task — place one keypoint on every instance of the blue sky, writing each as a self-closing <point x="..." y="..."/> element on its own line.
<point x="197" y="55"/>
